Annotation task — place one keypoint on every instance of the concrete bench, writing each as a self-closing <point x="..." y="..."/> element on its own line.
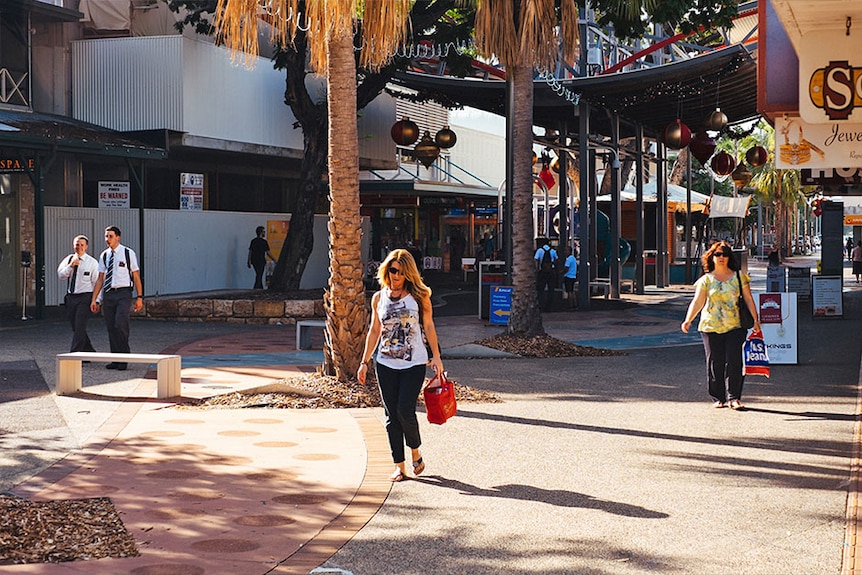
<point x="303" y="331"/>
<point x="602" y="286"/>
<point x="69" y="372"/>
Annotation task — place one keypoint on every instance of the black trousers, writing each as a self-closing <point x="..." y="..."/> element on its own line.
<point x="117" y="307"/>
<point x="259" y="268"/>
<point x="724" y="363"/>
<point x="543" y="280"/>
<point x="399" y="389"/>
<point x="78" y="308"/>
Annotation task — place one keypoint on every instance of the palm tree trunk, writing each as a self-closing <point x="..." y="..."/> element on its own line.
<point x="346" y="312"/>
<point x="525" y="317"/>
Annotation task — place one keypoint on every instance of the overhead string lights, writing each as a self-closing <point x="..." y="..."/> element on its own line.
<point x="557" y="87"/>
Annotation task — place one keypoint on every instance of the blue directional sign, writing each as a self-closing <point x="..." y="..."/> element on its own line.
<point x="501" y="304"/>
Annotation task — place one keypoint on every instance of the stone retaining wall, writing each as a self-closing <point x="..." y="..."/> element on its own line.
<point x="250" y="311"/>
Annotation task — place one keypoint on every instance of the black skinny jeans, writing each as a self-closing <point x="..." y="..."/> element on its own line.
<point x="724" y="363"/>
<point x="399" y="389"/>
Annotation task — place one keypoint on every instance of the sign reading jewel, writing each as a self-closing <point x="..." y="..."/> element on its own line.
<point x="800" y="144"/>
<point x="830" y="77"/>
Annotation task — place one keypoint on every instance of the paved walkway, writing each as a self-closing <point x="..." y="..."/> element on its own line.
<point x="590" y="465"/>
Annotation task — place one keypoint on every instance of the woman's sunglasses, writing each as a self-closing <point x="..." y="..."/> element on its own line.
<point x="395" y="271"/>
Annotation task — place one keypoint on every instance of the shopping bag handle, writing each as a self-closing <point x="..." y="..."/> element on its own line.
<point x="437" y="381"/>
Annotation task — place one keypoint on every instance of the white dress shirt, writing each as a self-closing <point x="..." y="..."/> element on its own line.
<point x="85" y="279"/>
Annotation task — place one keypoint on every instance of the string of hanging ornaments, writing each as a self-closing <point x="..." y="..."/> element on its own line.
<point x="677" y="136"/>
<point x="405" y="132"/>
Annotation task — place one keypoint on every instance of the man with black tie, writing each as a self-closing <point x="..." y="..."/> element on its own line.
<point x="118" y="273"/>
<point x="79" y="270"/>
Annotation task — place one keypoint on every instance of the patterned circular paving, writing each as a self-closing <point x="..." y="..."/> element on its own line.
<point x="238" y="433"/>
<point x="225" y="545"/>
<point x="168" y="569"/>
<point x="264" y="520"/>
<point x="276" y="444"/>
<point x="300" y="499"/>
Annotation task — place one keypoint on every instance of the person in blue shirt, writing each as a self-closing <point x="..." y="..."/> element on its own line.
<point x="570" y="276"/>
<point x="546" y="273"/>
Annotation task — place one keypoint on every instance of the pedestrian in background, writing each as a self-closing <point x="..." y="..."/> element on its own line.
<point x="80" y="271"/>
<point x="856" y="257"/>
<point x="546" y="273"/>
<point x="258" y="251"/>
<point x="716" y="294"/>
<point x="400" y="313"/>
<point x="570" y="276"/>
<point x="118" y="275"/>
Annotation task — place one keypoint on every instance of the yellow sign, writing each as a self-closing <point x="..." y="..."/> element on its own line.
<point x="276" y="231"/>
<point x="853" y="220"/>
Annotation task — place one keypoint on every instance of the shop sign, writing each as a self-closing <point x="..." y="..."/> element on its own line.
<point x="115" y="195"/>
<point x="800" y="144"/>
<point x="853" y="220"/>
<point x="831" y="176"/>
<point x="830" y="77"/>
<point x="9" y="165"/>
<point x="485" y="210"/>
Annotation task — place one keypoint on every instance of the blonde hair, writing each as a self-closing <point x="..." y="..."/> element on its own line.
<point x="412" y="280"/>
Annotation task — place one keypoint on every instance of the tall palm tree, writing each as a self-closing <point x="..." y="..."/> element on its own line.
<point x="330" y="39"/>
<point x="522" y="34"/>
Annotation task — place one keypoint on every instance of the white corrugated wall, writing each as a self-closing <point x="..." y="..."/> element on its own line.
<point x="185" y="251"/>
<point x="192" y="86"/>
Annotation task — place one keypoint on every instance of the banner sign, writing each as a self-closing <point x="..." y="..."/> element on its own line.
<point x="803" y="145"/>
<point x="115" y="195"/>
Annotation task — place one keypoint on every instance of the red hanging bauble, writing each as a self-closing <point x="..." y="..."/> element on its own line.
<point x="756" y="156"/>
<point x="547" y="177"/>
<point x="404" y="132"/>
<point x="676" y="135"/>
<point x="702" y="147"/>
<point x="722" y="163"/>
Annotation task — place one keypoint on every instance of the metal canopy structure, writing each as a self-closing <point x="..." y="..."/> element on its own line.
<point x="652" y="97"/>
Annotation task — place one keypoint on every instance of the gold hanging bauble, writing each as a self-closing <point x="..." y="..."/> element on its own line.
<point x="676" y="135"/>
<point x="716" y="121"/>
<point x="445" y="138"/>
<point x="426" y="151"/>
<point x="404" y="132"/>
<point x="756" y="156"/>
<point x="741" y="175"/>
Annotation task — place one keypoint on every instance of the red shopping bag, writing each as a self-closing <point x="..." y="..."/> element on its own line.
<point x="439" y="396"/>
<point x="754" y="355"/>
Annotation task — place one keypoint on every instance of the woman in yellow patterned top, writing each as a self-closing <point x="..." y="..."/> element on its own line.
<point x="716" y="294"/>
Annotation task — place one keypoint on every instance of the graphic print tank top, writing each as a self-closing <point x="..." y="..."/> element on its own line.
<point x="401" y="344"/>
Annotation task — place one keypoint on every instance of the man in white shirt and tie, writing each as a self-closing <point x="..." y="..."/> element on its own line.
<point x="118" y="273"/>
<point x="79" y="270"/>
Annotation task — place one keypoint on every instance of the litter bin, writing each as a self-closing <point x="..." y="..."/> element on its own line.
<point x="650" y="257"/>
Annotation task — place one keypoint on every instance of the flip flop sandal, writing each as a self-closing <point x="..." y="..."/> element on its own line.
<point x="396" y="476"/>
<point x="418" y="466"/>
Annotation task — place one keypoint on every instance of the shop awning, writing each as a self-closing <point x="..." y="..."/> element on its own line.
<point x="46" y="132"/>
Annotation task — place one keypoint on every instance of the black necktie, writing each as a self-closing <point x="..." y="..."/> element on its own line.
<point x="109" y="273"/>
<point x="72" y="284"/>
